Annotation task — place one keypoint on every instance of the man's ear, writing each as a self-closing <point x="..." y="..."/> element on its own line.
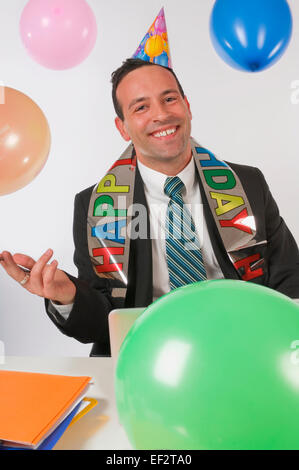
<point x="122" y="129"/>
<point x="188" y="105"/>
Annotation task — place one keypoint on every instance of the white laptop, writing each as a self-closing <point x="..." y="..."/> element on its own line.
<point x="120" y="321"/>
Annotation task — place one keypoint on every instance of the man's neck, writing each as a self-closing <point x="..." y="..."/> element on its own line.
<point x="169" y="168"/>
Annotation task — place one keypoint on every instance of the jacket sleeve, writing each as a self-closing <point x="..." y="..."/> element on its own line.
<point x="88" y="320"/>
<point x="282" y="250"/>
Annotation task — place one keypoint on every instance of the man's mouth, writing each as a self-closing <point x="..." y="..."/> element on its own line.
<point x="165" y="133"/>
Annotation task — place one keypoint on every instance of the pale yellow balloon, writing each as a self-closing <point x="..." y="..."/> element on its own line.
<point x="24" y="140"/>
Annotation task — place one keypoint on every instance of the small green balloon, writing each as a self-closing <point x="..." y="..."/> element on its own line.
<point x="212" y="365"/>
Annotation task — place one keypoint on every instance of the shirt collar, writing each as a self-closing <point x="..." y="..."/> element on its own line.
<point x="154" y="180"/>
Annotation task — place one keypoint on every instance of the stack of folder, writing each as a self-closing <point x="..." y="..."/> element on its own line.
<point x="36" y="409"/>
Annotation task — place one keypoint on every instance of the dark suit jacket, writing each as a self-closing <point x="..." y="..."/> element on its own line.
<point x="88" y="321"/>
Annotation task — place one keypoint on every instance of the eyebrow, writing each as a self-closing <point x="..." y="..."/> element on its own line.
<point x="144" y="98"/>
<point x="137" y="100"/>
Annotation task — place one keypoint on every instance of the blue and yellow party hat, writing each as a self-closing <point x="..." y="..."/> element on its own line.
<point x="154" y="46"/>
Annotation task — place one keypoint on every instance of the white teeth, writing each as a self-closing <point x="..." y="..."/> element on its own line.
<point x="165" y="133"/>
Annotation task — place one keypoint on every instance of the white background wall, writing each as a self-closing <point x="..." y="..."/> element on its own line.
<point x="242" y="117"/>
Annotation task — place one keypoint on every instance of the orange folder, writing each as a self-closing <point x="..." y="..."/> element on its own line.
<point x="33" y="404"/>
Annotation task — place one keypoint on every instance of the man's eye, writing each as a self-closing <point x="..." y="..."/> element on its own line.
<point x="170" y="98"/>
<point x="140" y="108"/>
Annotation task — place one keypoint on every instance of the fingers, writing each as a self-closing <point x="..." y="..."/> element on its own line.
<point x="41" y="271"/>
<point x="49" y="274"/>
<point x="24" y="260"/>
<point x="36" y="276"/>
<point x="11" y="267"/>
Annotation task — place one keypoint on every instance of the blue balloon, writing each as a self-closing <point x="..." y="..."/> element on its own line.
<point x="162" y="59"/>
<point x="141" y="55"/>
<point x="250" y="35"/>
<point x="144" y="40"/>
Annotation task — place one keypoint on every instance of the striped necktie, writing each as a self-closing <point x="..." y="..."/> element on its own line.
<point x="184" y="258"/>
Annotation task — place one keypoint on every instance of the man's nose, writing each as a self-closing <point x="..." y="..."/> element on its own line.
<point x="159" y="112"/>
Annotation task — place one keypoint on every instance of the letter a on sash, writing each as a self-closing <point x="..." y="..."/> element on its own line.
<point x="231" y="202"/>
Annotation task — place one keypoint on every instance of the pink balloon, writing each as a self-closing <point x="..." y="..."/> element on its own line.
<point x="58" y="34"/>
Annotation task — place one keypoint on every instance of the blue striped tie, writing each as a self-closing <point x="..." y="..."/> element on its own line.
<point x="184" y="258"/>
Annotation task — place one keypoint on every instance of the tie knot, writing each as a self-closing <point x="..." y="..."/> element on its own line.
<point x="173" y="186"/>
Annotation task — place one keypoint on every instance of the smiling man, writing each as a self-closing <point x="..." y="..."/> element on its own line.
<point x="154" y="115"/>
<point x="216" y="219"/>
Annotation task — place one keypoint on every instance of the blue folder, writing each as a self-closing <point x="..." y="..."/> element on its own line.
<point x="51" y="440"/>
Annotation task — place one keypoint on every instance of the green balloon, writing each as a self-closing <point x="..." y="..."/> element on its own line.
<point x="212" y="365"/>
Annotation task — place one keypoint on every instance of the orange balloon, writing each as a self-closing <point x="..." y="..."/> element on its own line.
<point x="24" y="140"/>
<point x="154" y="46"/>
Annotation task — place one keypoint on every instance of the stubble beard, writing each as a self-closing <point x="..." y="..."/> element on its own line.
<point x="153" y="155"/>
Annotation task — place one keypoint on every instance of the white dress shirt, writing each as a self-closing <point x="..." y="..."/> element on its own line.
<point x="157" y="203"/>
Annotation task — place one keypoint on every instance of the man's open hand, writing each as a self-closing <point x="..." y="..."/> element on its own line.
<point x="45" y="279"/>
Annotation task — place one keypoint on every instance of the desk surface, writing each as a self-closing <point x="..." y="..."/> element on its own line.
<point x="98" y="429"/>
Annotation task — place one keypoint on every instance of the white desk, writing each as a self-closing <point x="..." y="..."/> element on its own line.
<point x="98" y="429"/>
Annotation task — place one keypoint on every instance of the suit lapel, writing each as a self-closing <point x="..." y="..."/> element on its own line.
<point x="140" y="282"/>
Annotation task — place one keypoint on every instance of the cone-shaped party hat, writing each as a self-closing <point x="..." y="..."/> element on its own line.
<point x="154" y="46"/>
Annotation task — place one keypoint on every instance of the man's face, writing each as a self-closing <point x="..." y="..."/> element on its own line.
<point x="156" y="117"/>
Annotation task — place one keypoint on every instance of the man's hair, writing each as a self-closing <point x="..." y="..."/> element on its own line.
<point x="128" y="66"/>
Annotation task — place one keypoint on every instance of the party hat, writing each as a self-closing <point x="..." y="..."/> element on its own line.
<point x="154" y="46"/>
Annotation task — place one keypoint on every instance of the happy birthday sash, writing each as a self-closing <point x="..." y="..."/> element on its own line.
<point x="110" y="217"/>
